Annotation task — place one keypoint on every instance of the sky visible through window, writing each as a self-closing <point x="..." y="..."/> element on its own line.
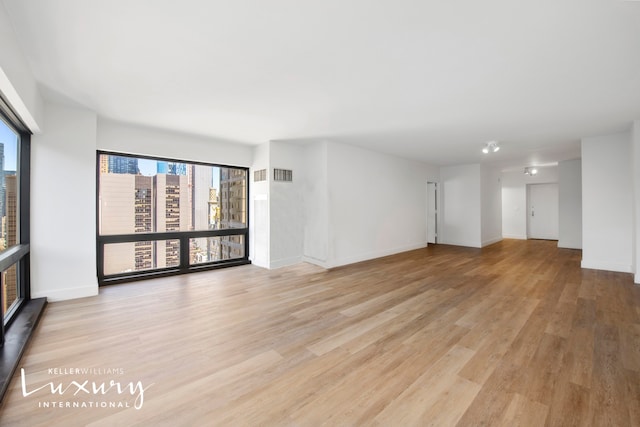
<point x="150" y="168"/>
<point x="10" y="141"/>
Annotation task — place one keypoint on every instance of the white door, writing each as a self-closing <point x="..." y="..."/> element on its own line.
<point x="432" y="212"/>
<point x="542" y="211"/>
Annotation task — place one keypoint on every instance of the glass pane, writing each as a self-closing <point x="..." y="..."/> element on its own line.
<point x="219" y="248"/>
<point x="233" y="198"/>
<point x="205" y="197"/>
<point x="10" y="292"/>
<point x="145" y="196"/>
<point x="8" y="186"/>
<point x="141" y="256"/>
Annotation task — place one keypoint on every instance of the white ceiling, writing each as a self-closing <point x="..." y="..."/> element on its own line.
<point x="430" y="80"/>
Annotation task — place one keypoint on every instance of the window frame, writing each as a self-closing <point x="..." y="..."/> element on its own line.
<point x="18" y="254"/>
<point x="183" y="236"/>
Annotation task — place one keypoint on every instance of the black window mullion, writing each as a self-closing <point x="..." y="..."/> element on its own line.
<point x="12" y="256"/>
<point x="24" y="275"/>
<point x="169" y="235"/>
<point x="184" y="253"/>
<point x="100" y="255"/>
<point x="24" y="182"/>
<point x="24" y="186"/>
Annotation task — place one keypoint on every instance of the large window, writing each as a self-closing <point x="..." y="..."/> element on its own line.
<point x="159" y="216"/>
<point x="14" y="216"/>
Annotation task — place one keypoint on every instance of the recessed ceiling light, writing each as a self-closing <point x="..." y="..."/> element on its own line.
<point x="490" y="147"/>
<point x="530" y="170"/>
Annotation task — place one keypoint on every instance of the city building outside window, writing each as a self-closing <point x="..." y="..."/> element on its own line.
<point x="9" y="143"/>
<point x="192" y="215"/>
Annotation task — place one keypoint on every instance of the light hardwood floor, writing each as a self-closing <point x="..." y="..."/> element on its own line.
<point x="514" y="334"/>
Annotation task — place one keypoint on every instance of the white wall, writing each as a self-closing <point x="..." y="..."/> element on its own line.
<point x="63" y="248"/>
<point x="287" y="213"/>
<point x="289" y="222"/>
<point x="635" y="145"/>
<point x="514" y="199"/>
<point x="377" y="204"/>
<point x="607" y="203"/>
<point x="570" y="204"/>
<point x="17" y="83"/>
<point x="316" y="233"/>
<point x="131" y="139"/>
<point x="345" y="204"/>
<point x="259" y="209"/>
<point x="491" y="205"/>
<point x="63" y="205"/>
<point x="461" y="205"/>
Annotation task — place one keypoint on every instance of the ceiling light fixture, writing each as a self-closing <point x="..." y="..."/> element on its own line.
<point x="491" y="147"/>
<point x="530" y="170"/>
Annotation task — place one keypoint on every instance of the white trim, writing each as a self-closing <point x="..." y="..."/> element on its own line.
<point x="515" y="236"/>
<point x="466" y="244"/>
<point x="315" y="261"/>
<point x="377" y="254"/>
<point x="16" y="103"/>
<point x="565" y="246"/>
<point x="284" y="262"/>
<point x="67" y="294"/>
<point x="491" y="241"/>
<point x="258" y="263"/>
<point x="606" y="265"/>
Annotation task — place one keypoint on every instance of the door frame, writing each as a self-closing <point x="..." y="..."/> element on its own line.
<point x="437" y="203"/>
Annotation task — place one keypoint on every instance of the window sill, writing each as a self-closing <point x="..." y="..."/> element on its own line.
<point x="16" y="339"/>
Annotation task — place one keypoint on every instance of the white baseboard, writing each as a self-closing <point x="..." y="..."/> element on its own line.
<point x="514" y="236"/>
<point x="491" y="241"/>
<point x="375" y="254"/>
<point x="315" y="261"/>
<point x="260" y="264"/>
<point x="66" y="294"/>
<point x="606" y="265"/>
<point x="466" y="244"/>
<point x="284" y="262"/>
<point x="565" y="245"/>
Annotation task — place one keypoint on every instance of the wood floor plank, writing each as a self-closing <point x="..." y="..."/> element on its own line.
<point x="351" y="332"/>
<point x="569" y="406"/>
<point x="411" y="407"/>
<point x="512" y="334"/>
<point x="630" y="345"/>
<point x="608" y="397"/>
<point x="561" y="321"/>
<point x="633" y="397"/>
<point x="579" y="357"/>
<point x="524" y="412"/>
<point x="446" y="411"/>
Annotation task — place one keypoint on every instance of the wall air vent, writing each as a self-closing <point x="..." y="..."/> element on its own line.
<point x="282" y="175"/>
<point x="260" y="175"/>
